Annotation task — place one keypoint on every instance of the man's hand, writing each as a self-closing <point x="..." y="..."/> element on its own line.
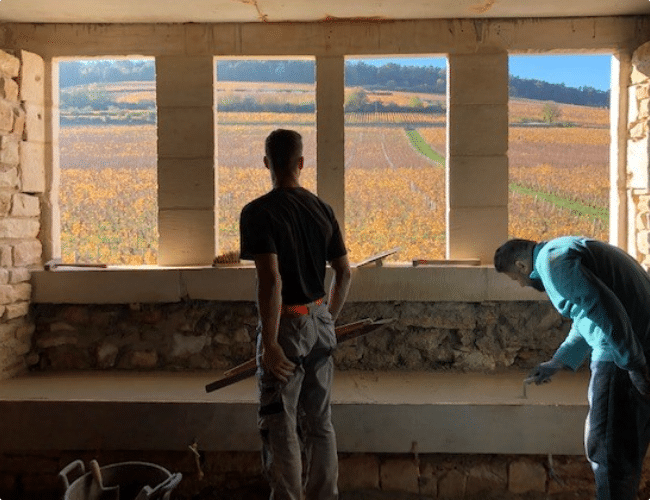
<point x="275" y="361"/>
<point x="544" y="371"/>
<point x="641" y="380"/>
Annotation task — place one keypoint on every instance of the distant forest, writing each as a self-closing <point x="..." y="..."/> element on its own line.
<point x="389" y="76"/>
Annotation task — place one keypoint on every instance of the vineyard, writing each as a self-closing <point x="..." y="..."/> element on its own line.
<point x="395" y="190"/>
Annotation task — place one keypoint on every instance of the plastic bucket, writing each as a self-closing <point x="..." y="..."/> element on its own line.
<point x="136" y="480"/>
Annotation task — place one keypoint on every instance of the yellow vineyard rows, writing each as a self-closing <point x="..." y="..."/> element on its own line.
<point x="394" y="195"/>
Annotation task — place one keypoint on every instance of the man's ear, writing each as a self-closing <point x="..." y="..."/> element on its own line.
<point x="522" y="267"/>
<point x="266" y="162"/>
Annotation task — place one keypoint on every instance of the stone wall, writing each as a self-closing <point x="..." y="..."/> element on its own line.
<point x="206" y="335"/>
<point x="21" y="179"/>
<point x="237" y="475"/>
<point x="639" y="152"/>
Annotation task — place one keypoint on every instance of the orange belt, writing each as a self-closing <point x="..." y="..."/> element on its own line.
<point x="300" y="309"/>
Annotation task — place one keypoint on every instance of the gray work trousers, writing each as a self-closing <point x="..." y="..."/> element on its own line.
<point x="617" y="432"/>
<point x="295" y="418"/>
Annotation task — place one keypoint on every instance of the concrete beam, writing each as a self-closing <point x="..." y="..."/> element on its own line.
<point x="330" y="134"/>
<point x="122" y="285"/>
<point x="441" y="412"/>
<point x="429" y="36"/>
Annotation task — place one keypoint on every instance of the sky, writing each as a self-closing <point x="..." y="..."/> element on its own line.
<point x="573" y="70"/>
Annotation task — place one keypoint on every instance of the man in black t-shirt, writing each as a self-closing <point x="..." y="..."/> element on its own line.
<point x="291" y="234"/>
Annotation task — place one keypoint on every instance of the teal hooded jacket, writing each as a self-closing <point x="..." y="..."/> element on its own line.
<point x="607" y="295"/>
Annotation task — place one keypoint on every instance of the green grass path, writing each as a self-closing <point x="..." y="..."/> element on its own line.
<point x="418" y="142"/>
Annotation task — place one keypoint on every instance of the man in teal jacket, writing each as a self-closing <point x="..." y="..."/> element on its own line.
<point x="607" y="295"/>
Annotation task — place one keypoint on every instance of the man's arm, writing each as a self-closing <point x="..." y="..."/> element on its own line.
<point x="340" y="285"/>
<point x="269" y="302"/>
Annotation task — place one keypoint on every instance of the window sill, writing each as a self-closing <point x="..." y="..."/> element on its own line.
<point x="150" y="284"/>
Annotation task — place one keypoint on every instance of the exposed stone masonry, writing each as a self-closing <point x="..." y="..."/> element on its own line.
<point x="237" y="475"/>
<point x="205" y="335"/>
<point x="21" y="179"/>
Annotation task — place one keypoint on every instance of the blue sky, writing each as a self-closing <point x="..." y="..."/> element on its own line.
<point x="573" y="71"/>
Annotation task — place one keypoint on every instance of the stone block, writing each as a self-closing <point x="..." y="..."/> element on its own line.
<point x="526" y="476"/>
<point x="19" y="228"/>
<point x="638" y="163"/>
<point x="359" y="472"/>
<point x="451" y="485"/>
<point x="187" y="237"/>
<point x="400" y="474"/>
<point x="641" y="64"/>
<point x="32" y="167"/>
<point x="186" y="132"/>
<point x="7" y="116"/>
<point x="26" y="253"/>
<point x="6" y="258"/>
<point x="9" y="64"/>
<point x="8" y="88"/>
<point x="107" y="355"/>
<point x="639" y="131"/>
<point x="32" y="78"/>
<point x="22" y="291"/>
<point x="146" y="359"/>
<point x="184" y="346"/>
<point x="68" y="357"/>
<point x="478" y="181"/>
<point x="428" y="481"/>
<point x="478" y="78"/>
<point x="478" y="130"/>
<point x="24" y="333"/>
<point x="34" y="123"/>
<point x="6" y="294"/>
<point x="25" y="205"/>
<point x="643" y="241"/>
<point x="642" y="91"/>
<point x="5" y="203"/>
<point x="186" y="183"/>
<point x="19" y="123"/>
<point x="4" y="276"/>
<point x="8" y="177"/>
<point x="9" y="150"/>
<point x="17" y="310"/>
<point x="183" y="81"/>
<point x="476" y="232"/>
<point x="486" y="478"/>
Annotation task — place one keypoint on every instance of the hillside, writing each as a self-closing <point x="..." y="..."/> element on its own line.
<point x="391" y="76"/>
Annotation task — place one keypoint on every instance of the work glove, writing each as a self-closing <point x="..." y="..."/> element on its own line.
<point x="641" y="380"/>
<point x="544" y="371"/>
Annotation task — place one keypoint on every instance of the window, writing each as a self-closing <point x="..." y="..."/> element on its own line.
<point x="395" y="133"/>
<point x="253" y="98"/>
<point x="107" y="140"/>
<point x="559" y="146"/>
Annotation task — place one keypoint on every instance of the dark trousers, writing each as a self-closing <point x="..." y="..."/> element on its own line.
<point x="617" y="432"/>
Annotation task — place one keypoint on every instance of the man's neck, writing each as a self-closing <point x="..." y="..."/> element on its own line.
<point x="288" y="182"/>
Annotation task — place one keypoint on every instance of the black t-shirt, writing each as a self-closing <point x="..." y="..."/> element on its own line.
<point x="302" y="230"/>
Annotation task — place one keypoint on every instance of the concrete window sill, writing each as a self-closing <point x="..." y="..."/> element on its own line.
<point x="150" y="284"/>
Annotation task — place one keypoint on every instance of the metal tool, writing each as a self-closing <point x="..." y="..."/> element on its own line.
<point x="528" y="380"/>
<point x="53" y="264"/>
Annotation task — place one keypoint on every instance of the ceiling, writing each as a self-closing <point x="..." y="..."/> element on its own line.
<point x="213" y="11"/>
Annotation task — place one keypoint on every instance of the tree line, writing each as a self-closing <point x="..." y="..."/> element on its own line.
<point x="389" y="76"/>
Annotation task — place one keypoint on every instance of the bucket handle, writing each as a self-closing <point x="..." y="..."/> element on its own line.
<point x="147" y="492"/>
<point x="69" y="468"/>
